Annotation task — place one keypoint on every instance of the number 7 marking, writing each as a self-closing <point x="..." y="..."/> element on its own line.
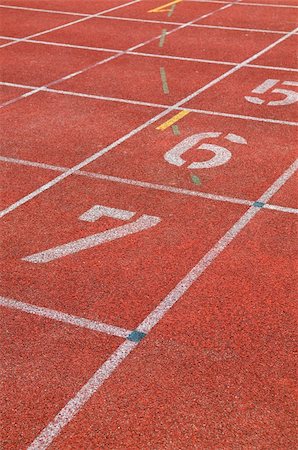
<point x="142" y="223"/>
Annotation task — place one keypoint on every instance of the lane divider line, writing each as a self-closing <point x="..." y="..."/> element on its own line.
<point x="162" y="8"/>
<point x="147" y="185"/>
<point x="171" y="10"/>
<point x="64" y="317"/>
<point x="175" y="130"/>
<point x="173" y="120"/>
<point x="141" y="127"/>
<point x="164" y="82"/>
<point x="162" y="37"/>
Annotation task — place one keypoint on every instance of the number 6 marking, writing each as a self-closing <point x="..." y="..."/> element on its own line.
<point x="143" y="223"/>
<point x="290" y="95"/>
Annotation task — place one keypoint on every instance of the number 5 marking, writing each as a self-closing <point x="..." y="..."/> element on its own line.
<point x="143" y="223"/>
<point x="290" y="95"/>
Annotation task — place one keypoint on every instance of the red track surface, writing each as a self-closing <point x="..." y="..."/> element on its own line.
<point x="179" y="335"/>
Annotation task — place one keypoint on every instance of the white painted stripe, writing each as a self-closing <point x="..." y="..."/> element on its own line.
<point x="51" y="11"/>
<point x="155" y="105"/>
<point x="147" y="185"/>
<point x="156" y="315"/>
<point x="195" y="25"/>
<point x="272" y="5"/>
<point x="64" y="317"/>
<point x="152" y="55"/>
<point x="141" y="127"/>
<point x="70" y="23"/>
<point x="91" y="66"/>
<point x="53" y="429"/>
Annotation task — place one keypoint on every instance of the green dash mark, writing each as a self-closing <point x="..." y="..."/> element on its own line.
<point x="171" y="10"/>
<point x="162" y="37"/>
<point x="175" y="129"/>
<point x="163" y="76"/>
<point x="195" y="179"/>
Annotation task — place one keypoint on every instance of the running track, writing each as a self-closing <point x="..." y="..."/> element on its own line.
<point x="149" y="223"/>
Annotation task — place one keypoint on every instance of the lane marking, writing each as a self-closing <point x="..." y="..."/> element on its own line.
<point x="152" y="55"/>
<point x="147" y="185"/>
<point x="171" y="11"/>
<point x="162" y="8"/>
<point x="162" y="37"/>
<point x="142" y="223"/>
<point x="195" y="179"/>
<point x="175" y="130"/>
<point x="154" y="105"/>
<point x="91" y="66"/>
<point x="64" y="317"/>
<point x="69" y="411"/>
<point x="173" y="120"/>
<point x="164" y="83"/>
<point x="70" y="23"/>
<point x="157" y="314"/>
<point x="141" y="127"/>
<point x="273" y="5"/>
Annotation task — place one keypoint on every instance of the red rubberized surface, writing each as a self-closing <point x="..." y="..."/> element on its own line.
<point x="35" y="64"/>
<point x="43" y="364"/>
<point x="217" y="371"/>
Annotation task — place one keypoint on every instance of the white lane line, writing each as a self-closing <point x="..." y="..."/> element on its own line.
<point x="141" y="127"/>
<point x="111" y="58"/>
<point x="153" y="105"/>
<point x="156" y="315"/>
<point x="273" y="5"/>
<point x="51" y="11"/>
<point x="152" y="55"/>
<point x="64" y="317"/>
<point x="51" y="431"/>
<point x="147" y="185"/>
<point x="54" y="428"/>
<point x="70" y="23"/>
<point x="195" y="25"/>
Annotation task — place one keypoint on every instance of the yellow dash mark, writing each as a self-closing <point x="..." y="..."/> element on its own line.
<point x="174" y="119"/>
<point x="162" y="8"/>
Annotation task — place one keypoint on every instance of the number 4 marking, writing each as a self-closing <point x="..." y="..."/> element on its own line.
<point x="96" y="212"/>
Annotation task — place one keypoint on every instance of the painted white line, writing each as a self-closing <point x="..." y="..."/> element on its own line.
<point x="156" y="315"/>
<point x="53" y="429"/>
<point x="141" y="127"/>
<point x="51" y="11"/>
<point x="195" y="25"/>
<point x="273" y="5"/>
<point x="64" y="317"/>
<point x="147" y="185"/>
<point x="153" y="105"/>
<point x="70" y="23"/>
<point x="152" y="55"/>
<point x="78" y="401"/>
<point x="91" y="66"/>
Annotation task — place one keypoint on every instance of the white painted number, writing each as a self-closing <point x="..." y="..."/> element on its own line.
<point x="289" y="96"/>
<point x="221" y="154"/>
<point x="96" y="212"/>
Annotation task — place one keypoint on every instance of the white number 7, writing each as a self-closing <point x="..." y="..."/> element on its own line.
<point x="290" y="95"/>
<point x="142" y="223"/>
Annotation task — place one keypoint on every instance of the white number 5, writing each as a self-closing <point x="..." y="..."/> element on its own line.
<point x="290" y="95"/>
